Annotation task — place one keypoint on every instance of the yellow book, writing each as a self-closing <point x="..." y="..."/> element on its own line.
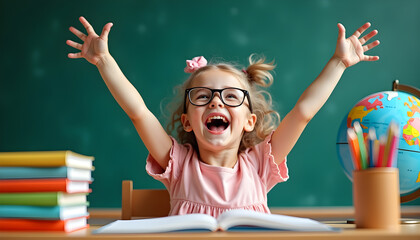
<point x="45" y="159"/>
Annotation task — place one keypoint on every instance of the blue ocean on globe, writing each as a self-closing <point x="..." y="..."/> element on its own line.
<point x="378" y="110"/>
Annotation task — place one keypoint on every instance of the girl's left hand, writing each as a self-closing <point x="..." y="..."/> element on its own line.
<point x="352" y="50"/>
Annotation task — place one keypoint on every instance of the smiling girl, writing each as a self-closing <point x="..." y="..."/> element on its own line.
<point x="231" y="150"/>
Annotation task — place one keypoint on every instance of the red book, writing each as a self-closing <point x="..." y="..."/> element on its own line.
<point x="17" y="224"/>
<point x="44" y="185"/>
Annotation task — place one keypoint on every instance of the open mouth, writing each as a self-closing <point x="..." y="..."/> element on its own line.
<point x="217" y="123"/>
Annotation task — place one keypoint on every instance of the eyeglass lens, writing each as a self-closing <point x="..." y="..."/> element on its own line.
<point x="230" y="96"/>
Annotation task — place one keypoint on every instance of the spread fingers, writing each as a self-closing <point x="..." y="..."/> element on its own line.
<point x="78" y="33"/>
<point x="74" y="44"/>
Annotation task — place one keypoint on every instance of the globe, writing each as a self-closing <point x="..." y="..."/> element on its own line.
<point x="377" y="111"/>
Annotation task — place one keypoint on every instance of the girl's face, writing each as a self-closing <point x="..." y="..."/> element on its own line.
<point x="217" y="126"/>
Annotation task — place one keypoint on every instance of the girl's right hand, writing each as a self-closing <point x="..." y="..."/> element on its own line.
<point x="94" y="47"/>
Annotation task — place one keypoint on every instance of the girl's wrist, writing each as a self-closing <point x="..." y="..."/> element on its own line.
<point x="338" y="62"/>
<point x="103" y="60"/>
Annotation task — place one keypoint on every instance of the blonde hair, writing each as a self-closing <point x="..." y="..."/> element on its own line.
<point x="256" y="77"/>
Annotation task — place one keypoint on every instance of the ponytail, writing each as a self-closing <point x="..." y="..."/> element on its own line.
<point x="258" y="71"/>
<point x="259" y="77"/>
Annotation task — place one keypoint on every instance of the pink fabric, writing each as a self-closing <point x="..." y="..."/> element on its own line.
<point x="196" y="187"/>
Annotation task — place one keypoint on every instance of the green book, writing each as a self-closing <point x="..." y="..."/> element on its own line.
<point x="43" y="199"/>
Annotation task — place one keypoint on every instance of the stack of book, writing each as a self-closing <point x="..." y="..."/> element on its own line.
<point x="44" y="191"/>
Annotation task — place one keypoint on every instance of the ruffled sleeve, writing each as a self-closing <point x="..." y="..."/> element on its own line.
<point x="167" y="176"/>
<point x="263" y="160"/>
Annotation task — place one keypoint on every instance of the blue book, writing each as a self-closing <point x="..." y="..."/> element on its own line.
<point x="39" y="212"/>
<point x="45" y="172"/>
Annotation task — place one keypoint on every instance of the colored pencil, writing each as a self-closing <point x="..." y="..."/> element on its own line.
<point x="394" y="145"/>
<point x="354" y="148"/>
<point x="376" y="146"/>
<point x="362" y="146"/>
<point x="371" y="141"/>
<point x="387" y="145"/>
<point x="382" y="143"/>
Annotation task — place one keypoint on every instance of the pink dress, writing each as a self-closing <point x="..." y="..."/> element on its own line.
<point x="196" y="187"/>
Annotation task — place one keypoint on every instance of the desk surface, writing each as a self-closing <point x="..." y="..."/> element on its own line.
<point x="348" y="232"/>
<point x="408" y="231"/>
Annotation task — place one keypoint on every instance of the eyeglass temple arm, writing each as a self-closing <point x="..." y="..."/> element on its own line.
<point x="185" y="102"/>
<point x="249" y="101"/>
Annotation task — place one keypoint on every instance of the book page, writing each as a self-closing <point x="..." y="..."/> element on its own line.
<point x="254" y="219"/>
<point x="188" y="222"/>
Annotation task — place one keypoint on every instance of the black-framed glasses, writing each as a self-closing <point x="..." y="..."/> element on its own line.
<point x="232" y="97"/>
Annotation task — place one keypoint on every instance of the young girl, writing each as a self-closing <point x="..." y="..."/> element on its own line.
<point x="231" y="152"/>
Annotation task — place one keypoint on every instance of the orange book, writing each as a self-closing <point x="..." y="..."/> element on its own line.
<point x="69" y="225"/>
<point x="44" y="185"/>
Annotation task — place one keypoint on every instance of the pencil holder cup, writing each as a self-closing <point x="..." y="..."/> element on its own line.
<point x="376" y="198"/>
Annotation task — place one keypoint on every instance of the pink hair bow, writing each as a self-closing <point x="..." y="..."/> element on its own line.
<point x="194" y="64"/>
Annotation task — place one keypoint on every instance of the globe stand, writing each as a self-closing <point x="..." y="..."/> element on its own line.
<point x="396" y="86"/>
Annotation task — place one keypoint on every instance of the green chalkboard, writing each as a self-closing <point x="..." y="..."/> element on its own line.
<point x="50" y="102"/>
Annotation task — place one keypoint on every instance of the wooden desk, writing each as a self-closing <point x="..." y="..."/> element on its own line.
<point x="348" y="232"/>
<point x="410" y="231"/>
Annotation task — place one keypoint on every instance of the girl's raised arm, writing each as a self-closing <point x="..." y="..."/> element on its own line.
<point x="348" y="52"/>
<point x="95" y="50"/>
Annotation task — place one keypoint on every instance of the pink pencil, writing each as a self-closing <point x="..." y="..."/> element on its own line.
<point x="387" y="145"/>
<point x="393" y="146"/>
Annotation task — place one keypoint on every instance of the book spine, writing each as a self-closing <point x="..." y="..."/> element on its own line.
<point x="35" y="225"/>
<point x="34" y="185"/>
<point x="35" y="199"/>
<point x="32" y="172"/>
<point x="46" y="159"/>
<point x="36" y="212"/>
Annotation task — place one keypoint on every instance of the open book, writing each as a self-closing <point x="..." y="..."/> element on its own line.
<point x="235" y="220"/>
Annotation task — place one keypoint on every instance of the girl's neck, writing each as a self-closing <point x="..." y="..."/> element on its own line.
<point x="222" y="158"/>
